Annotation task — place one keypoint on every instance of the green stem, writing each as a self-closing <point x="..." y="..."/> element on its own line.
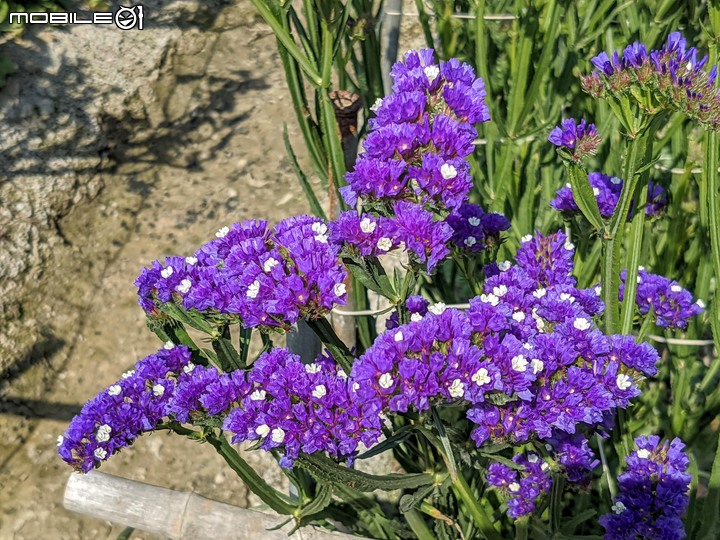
<point x="556" y="502"/>
<point x="462" y="490"/>
<point x="521" y="529"/>
<point x="712" y="179"/>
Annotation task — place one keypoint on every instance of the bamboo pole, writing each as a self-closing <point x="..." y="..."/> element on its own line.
<point x="175" y="514"/>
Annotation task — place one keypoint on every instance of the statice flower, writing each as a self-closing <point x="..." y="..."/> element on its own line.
<point x="671" y="304"/>
<point x="654" y="493"/>
<point x="607" y="190"/>
<point x="575" y="457"/>
<point x="298" y="407"/>
<point x="421" y="135"/>
<point x="268" y="278"/>
<point x="417" y="307"/>
<point x="526" y="358"/>
<point x="421" y="234"/>
<point x="577" y="139"/>
<point x="673" y="77"/>
<point x="118" y="415"/>
<point x="522" y="487"/>
<point x="475" y="230"/>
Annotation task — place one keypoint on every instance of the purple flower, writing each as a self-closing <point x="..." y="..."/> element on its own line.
<point x="579" y="138"/>
<point x="671" y="304"/>
<point x="474" y="230"/>
<point x="118" y="415"/>
<point x="522" y="487"/>
<point x="607" y="192"/>
<point x="422" y="235"/>
<point x="654" y="493"/>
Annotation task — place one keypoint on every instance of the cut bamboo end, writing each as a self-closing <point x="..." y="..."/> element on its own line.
<point x="175" y="514"/>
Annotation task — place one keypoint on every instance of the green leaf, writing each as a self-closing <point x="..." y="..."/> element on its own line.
<point x="315" y="206"/>
<point x="410" y="501"/>
<point x="322" y="499"/>
<point x="400" y="435"/>
<point x="570" y="525"/>
<point x="193" y="319"/>
<point x="228" y="358"/>
<point x="584" y="196"/>
<point x="370" y="273"/>
<point x="711" y="507"/>
<point x="326" y="470"/>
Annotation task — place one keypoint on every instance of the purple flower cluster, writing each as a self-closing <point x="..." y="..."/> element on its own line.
<point x="654" y="493"/>
<point x="526" y="356"/>
<point x="117" y="416"/>
<point x="413" y="168"/>
<point x="412" y="227"/>
<point x="522" y="487"/>
<point x="607" y="191"/>
<point x="579" y="139"/>
<point x="417" y="307"/>
<point x="673" y="75"/>
<point x="300" y="407"/>
<point x="475" y="230"/>
<point x="269" y="278"/>
<point x="672" y="305"/>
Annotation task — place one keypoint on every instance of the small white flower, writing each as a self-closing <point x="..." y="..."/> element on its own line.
<point x="481" y="377"/>
<point x="60" y="440"/>
<point x="526" y="238"/>
<point x="415" y="317"/>
<point x="539" y="322"/>
<point x="339" y="289"/>
<point x="518" y="316"/>
<point x="643" y="453"/>
<point x="490" y="299"/>
<point x="700" y="304"/>
<point x="500" y="291"/>
<point x="470" y="241"/>
<point x="623" y="381"/>
<point x="184" y="286"/>
<point x="192" y="261"/>
<point x="167" y="272"/>
<point x="320" y="230"/>
<point x="376" y="105"/>
<point x="569" y="246"/>
<point x="103" y="433"/>
<point x="262" y="430"/>
<point x="581" y="323"/>
<point x="567" y="297"/>
<point x="504" y="266"/>
<point x="367" y="225"/>
<point x="258" y="395"/>
<point x="320" y="391"/>
<point x="253" y="289"/>
<point x="539" y="293"/>
<point x="639" y="279"/>
<point x="537" y="365"/>
<point x="189" y="367"/>
<point x="641" y="268"/>
<point x="447" y="171"/>
<point x="568" y="185"/>
<point x="618" y="507"/>
<point x="312" y="368"/>
<point x="596" y="191"/>
<point x="533" y="458"/>
<point x="474" y="221"/>
<point x="519" y="363"/>
<point x="271" y="263"/>
<point x="384" y="244"/>
<point x="615" y="180"/>
<point x="385" y="381"/>
<point x="100" y="453"/>
<point x="598" y="290"/>
<point x="432" y="73"/>
<point x="114" y="390"/>
<point x="437" y="309"/>
<point x="128" y="373"/>
<point x="527" y="346"/>
<point x="398" y="336"/>
<point x="355" y="386"/>
<point x="278" y="435"/>
<point x="514" y="487"/>
<point x="341" y="373"/>
<point x="222" y="233"/>
<point x="457" y="389"/>
<point x="158" y="390"/>
<point x="544" y="466"/>
<point x="676" y="288"/>
<point x="168" y="345"/>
